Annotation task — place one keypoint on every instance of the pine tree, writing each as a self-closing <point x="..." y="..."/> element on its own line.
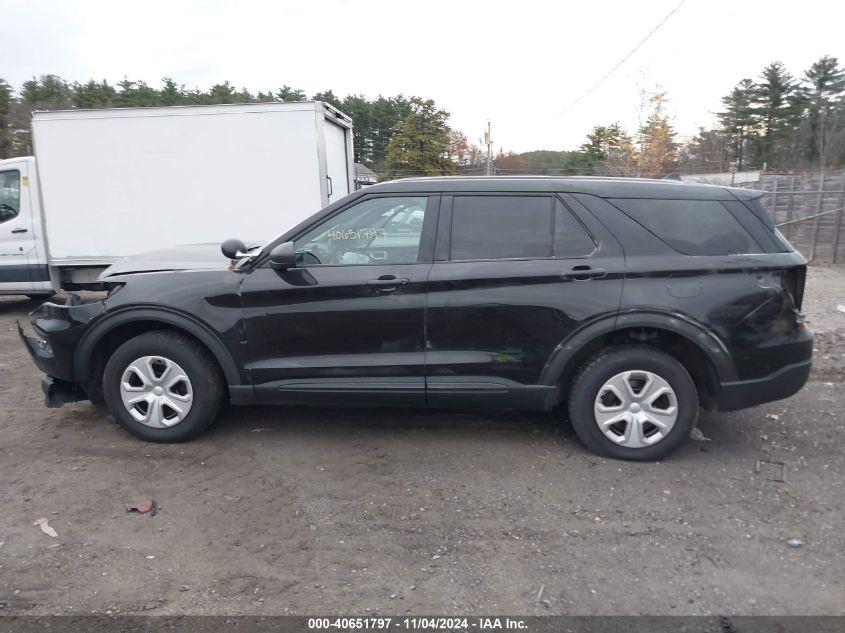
<point x="738" y="119"/>
<point x="5" y="123"/>
<point x="286" y="93"/>
<point x="420" y="143"/>
<point x="773" y="108"/>
<point x="171" y="93"/>
<point x="609" y="151"/>
<point x="93" y="95"/>
<point x="825" y="86"/>
<point x="329" y="97"/>
<point x="358" y="107"/>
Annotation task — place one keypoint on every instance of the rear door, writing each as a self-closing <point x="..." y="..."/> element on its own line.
<point x="514" y="275"/>
<point x="20" y="270"/>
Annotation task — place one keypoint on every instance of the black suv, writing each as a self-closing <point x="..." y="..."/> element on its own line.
<point x="629" y="303"/>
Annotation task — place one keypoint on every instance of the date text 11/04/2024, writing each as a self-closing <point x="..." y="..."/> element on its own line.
<point x="417" y="623"/>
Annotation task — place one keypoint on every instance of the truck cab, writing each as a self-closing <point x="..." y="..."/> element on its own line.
<point x="23" y="253"/>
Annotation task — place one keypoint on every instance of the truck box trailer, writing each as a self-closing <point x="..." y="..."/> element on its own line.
<point x="105" y="184"/>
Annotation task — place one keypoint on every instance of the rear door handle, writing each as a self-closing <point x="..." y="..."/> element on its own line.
<point x="387" y="283"/>
<point x="19" y="230"/>
<point x="583" y="273"/>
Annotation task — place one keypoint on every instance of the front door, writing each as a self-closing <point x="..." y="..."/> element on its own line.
<point x="347" y="325"/>
<point x="20" y="271"/>
<point x="514" y="276"/>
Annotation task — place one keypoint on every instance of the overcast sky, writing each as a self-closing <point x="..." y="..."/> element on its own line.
<point x="520" y="63"/>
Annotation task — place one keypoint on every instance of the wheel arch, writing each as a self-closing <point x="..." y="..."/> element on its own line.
<point x="124" y="324"/>
<point x="700" y="351"/>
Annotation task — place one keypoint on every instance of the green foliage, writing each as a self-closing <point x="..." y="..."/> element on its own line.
<point x="375" y="120"/>
<point x="329" y="97"/>
<point x="544" y="163"/>
<point x="419" y="145"/>
<point x="608" y="151"/>
<point x="779" y="122"/>
<point x="93" y="95"/>
<point x="825" y="110"/>
<point x="286" y="93"/>
<point x="5" y="124"/>
<point x="738" y="118"/>
<point x="775" y="110"/>
<point x="385" y="116"/>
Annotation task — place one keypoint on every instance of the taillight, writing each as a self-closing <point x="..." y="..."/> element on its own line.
<point x="792" y="281"/>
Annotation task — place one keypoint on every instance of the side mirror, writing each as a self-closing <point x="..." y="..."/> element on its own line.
<point x="283" y="256"/>
<point x="232" y="248"/>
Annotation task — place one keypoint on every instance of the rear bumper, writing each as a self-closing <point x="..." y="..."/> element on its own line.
<point x="781" y="384"/>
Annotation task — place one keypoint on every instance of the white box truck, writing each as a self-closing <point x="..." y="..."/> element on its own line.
<point x="109" y="183"/>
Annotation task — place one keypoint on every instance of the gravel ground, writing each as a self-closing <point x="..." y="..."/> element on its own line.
<point x="304" y="511"/>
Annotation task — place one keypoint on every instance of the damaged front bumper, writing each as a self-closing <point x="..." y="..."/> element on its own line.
<point x="58" y="329"/>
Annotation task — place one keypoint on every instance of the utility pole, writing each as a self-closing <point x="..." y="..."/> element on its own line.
<point x="489" y="143"/>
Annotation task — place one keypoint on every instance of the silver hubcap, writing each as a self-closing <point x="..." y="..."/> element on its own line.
<point x="636" y="409"/>
<point x="156" y="391"/>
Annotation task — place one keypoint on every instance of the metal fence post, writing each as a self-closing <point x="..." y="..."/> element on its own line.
<point x="789" y="212"/>
<point x="838" y="226"/>
<point x="819" y="203"/>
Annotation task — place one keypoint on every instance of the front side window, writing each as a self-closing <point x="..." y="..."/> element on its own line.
<point x="515" y="227"/>
<point x="10" y="194"/>
<point x="375" y="231"/>
<point x="691" y="227"/>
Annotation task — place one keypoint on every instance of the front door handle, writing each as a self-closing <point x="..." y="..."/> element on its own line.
<point x="19" y="230"/>
<point x="583" y="273"/>
<point x="387" y="283"/>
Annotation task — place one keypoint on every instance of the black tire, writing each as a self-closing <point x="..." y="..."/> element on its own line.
<point x="607" y="364"/>
<point x="200" y="368"/>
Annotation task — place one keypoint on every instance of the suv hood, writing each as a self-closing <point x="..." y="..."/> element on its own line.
<point x="178" y="258"/>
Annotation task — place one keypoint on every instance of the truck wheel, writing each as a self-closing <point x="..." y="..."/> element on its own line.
<point x="633" y="402"/>
<point x="162" y="387"/>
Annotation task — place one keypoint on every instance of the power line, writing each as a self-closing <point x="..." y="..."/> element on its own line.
<point x="622" y="61"/>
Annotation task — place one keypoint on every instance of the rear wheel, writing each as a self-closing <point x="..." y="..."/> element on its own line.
<point x="633" y="402"/>
<point x="162" y="387"/>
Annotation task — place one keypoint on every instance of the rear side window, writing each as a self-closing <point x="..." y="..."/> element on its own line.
<point x="692" y="227"/>
<point x="570" y="238"/>
<point x="515" y="227"/>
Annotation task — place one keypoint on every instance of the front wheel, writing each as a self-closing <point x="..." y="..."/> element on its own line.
<point x="633" y="402"/>
<point x="162" y="387"/>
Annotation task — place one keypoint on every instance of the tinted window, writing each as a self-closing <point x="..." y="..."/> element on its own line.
<point x="501" y="227"/>
<point x="692" y="227"/>
<point x="571" y="240"/>
<point x="515" y="227"/>
<point x="376" y="231"/>
<point x="10" y="195"/>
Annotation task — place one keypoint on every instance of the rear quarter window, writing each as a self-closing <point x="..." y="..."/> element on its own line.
<point x="691" y="227"/>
